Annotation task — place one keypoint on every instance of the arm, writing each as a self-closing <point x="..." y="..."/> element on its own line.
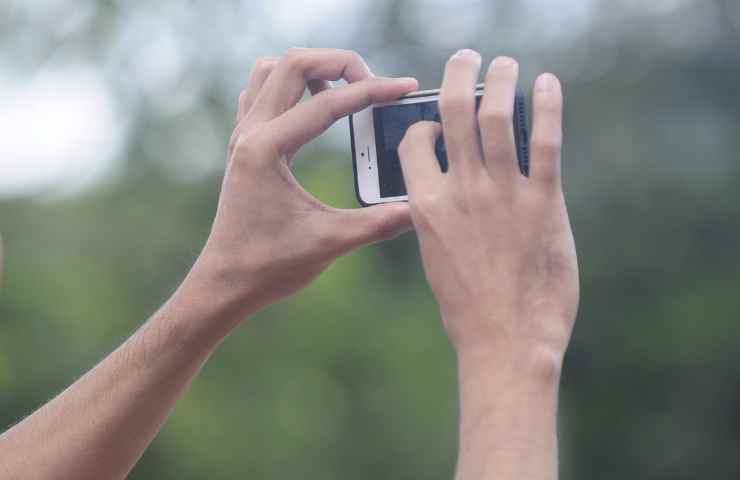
<point x="269" y="239"/>
<point x="499" y="255"/>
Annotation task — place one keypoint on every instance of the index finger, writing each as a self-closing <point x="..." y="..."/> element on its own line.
<point x="312" y="117"/>
<point x="300" y="66"/>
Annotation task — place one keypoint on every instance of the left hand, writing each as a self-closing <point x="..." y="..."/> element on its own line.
<point x="270" y="237"/>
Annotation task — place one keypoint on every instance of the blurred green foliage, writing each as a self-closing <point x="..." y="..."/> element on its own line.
<point x="353" y="378"/>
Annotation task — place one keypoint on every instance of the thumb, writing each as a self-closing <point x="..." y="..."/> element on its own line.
<point x="374" y="224"/>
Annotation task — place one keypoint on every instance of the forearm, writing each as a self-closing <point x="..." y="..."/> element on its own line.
<point x="101" y="425"/>
<point x="508" y="409"/>
<point x="270" y="238"/>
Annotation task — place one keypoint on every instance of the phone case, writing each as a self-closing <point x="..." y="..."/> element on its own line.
<point x="521" y="131"/>
<point x="521" y="135"/>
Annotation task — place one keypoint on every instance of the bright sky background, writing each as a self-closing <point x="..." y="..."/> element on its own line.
<point x="65" y="120"/>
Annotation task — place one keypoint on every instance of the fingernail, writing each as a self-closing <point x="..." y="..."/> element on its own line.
<point x="467" y="53"/>
<point x="545" y="82"/>
<point x="503" y="62"/>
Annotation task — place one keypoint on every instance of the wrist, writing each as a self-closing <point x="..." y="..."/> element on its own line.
<point x="531" y="344"/>
<point x="508" y="412"/>
<point x="508" y="388"/>
<point x="213" y="299"/>
<point x="513" y="360"/>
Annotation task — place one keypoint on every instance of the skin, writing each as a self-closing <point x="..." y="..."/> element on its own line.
<point x="269" y="239"/>
<point x="499" y="255"/>
<point x="508" y="303"/>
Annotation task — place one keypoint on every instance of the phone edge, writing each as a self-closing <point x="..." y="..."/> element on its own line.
<point x="521" y="132"/>
<point x="362" y="203"/>
<point x="521" y="136"/>
<point x="432" y="92"/>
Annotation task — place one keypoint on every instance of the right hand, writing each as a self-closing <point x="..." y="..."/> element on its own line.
<point x="497" y="246"/>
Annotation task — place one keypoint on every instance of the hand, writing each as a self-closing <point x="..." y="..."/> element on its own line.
<point x="270" y="237"/>
<point x="497" y="246"/>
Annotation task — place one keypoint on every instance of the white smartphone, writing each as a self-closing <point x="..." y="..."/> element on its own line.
<point x="376" y="131"/>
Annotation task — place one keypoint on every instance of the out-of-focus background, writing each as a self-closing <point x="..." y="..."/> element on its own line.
<point x="114" y="118"/>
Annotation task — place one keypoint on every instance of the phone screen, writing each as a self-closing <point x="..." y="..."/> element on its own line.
<point x="391" y="123"/>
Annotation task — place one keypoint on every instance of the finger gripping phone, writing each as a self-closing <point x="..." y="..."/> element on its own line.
<point x="376" y="132"/>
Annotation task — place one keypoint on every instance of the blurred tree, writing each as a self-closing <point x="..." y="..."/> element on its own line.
<point x="354" y="378"/>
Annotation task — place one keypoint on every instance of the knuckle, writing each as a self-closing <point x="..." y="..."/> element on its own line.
<point x="353" y="56"/>
<point x="233" y="141"/>
<point x="456" y="103"/>
<point x="249" y="146"/>
<point x="263" y="64"/>
<point x="374" y="84"/>
<point x="294" y="57"/>
<point x="462" y="203"/>
<point x="423" y="217"/>
<point x="495" y="117"/>
<point x="425" y="207"/>
<point x="479" y="192"/>
<point x="499" y="147"/>
<point x="478" y="197"/>
<point x="531" y="200"/>
<point x="547" y="103"/>
<point x="242" y="146"/>
<point x="474" y="188"/>
<point x="331" y="106"/>
<point x="325" y="98"/>
<point x="371" y="90"/>
<point x="539" y="201"/>
<point x="546" y="147"/>
<point x="385" y="229"/>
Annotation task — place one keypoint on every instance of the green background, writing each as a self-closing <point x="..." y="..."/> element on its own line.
<point x="353" y="377"/>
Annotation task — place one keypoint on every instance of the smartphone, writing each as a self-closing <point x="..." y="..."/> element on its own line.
<point x="376" y="131"/>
